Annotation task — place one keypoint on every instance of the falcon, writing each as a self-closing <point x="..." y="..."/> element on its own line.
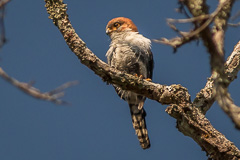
<point x="130" y="52"/>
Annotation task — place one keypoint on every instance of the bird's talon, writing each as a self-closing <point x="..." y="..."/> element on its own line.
<point x="148" y="79"/>
<point x="141" y="76"/>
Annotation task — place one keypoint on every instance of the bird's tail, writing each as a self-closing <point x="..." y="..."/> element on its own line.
<point x="138" y="120"/>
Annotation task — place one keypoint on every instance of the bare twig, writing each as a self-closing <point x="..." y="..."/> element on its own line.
<point x="52" y="96"/>
<point x="193" y="19"/>
<point x="234" y="24"/>
<point x="175" y="42"/>
<point x="192" y="35"/>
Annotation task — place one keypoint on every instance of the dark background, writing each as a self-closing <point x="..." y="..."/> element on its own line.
<point x="97" y="125"/>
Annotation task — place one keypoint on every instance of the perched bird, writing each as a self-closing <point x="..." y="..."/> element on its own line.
<point x="131" y="52"/>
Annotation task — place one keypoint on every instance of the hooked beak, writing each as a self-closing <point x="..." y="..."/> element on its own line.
<point x="108" y="31"/>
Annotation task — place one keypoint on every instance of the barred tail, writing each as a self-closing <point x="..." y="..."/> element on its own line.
<point x="138" y="120"/>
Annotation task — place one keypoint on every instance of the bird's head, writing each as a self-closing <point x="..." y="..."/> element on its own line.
<point x="120" y="24"/>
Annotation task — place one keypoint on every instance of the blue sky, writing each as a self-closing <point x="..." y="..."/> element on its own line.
<point x="97" y="124"/>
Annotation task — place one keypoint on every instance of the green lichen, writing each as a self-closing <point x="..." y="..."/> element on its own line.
<point x="56" y="9"/>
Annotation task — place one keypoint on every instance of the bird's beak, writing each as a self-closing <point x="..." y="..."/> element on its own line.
<point x="108" y="31"/>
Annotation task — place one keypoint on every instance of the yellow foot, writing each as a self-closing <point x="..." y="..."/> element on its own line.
<point x="148" y="79"/>
<point x="141" y="76"/>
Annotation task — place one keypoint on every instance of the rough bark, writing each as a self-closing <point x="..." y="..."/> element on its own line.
<point x="190" y="118"/>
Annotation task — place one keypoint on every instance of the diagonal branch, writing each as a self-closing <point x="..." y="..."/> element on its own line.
<point x="163" y="94"/>
<point x="190" y="120"/>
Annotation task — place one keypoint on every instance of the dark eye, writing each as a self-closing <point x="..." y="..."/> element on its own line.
<point x="117" y="24"/>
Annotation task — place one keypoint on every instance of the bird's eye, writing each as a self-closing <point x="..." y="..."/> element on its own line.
<point x="117" y="24"/>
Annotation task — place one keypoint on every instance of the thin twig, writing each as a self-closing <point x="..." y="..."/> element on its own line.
<point x="193" y="19"/>
<point x="192" y="35"/>
<point x="52" y="96"/>
<point x="234" y="24"/>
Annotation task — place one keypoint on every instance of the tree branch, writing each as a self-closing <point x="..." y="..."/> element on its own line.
<point x="205" y="97"/>
<point x="234" y="24"/>
<point x="163" y="94"/>
<point x="190" y="119"/>
<point x="191" y="122"/>
<point x="214" y="41"/>
<point x="52" y="96"/>
<point x="224" y="98"/>
<point x="201" y="22"/>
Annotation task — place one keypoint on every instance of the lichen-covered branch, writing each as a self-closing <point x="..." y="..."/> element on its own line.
<point x="164" y="94"/>
<point x="213" y="38"/>
<point x="205" y="97"/>
<point x="224" y="99"/>
<point x="52" y="96"/>
<point x="220" y="87"/>
<point x="220" y="23"/>
<point x="214" y="41"/>
<point x="190" y="120"/>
